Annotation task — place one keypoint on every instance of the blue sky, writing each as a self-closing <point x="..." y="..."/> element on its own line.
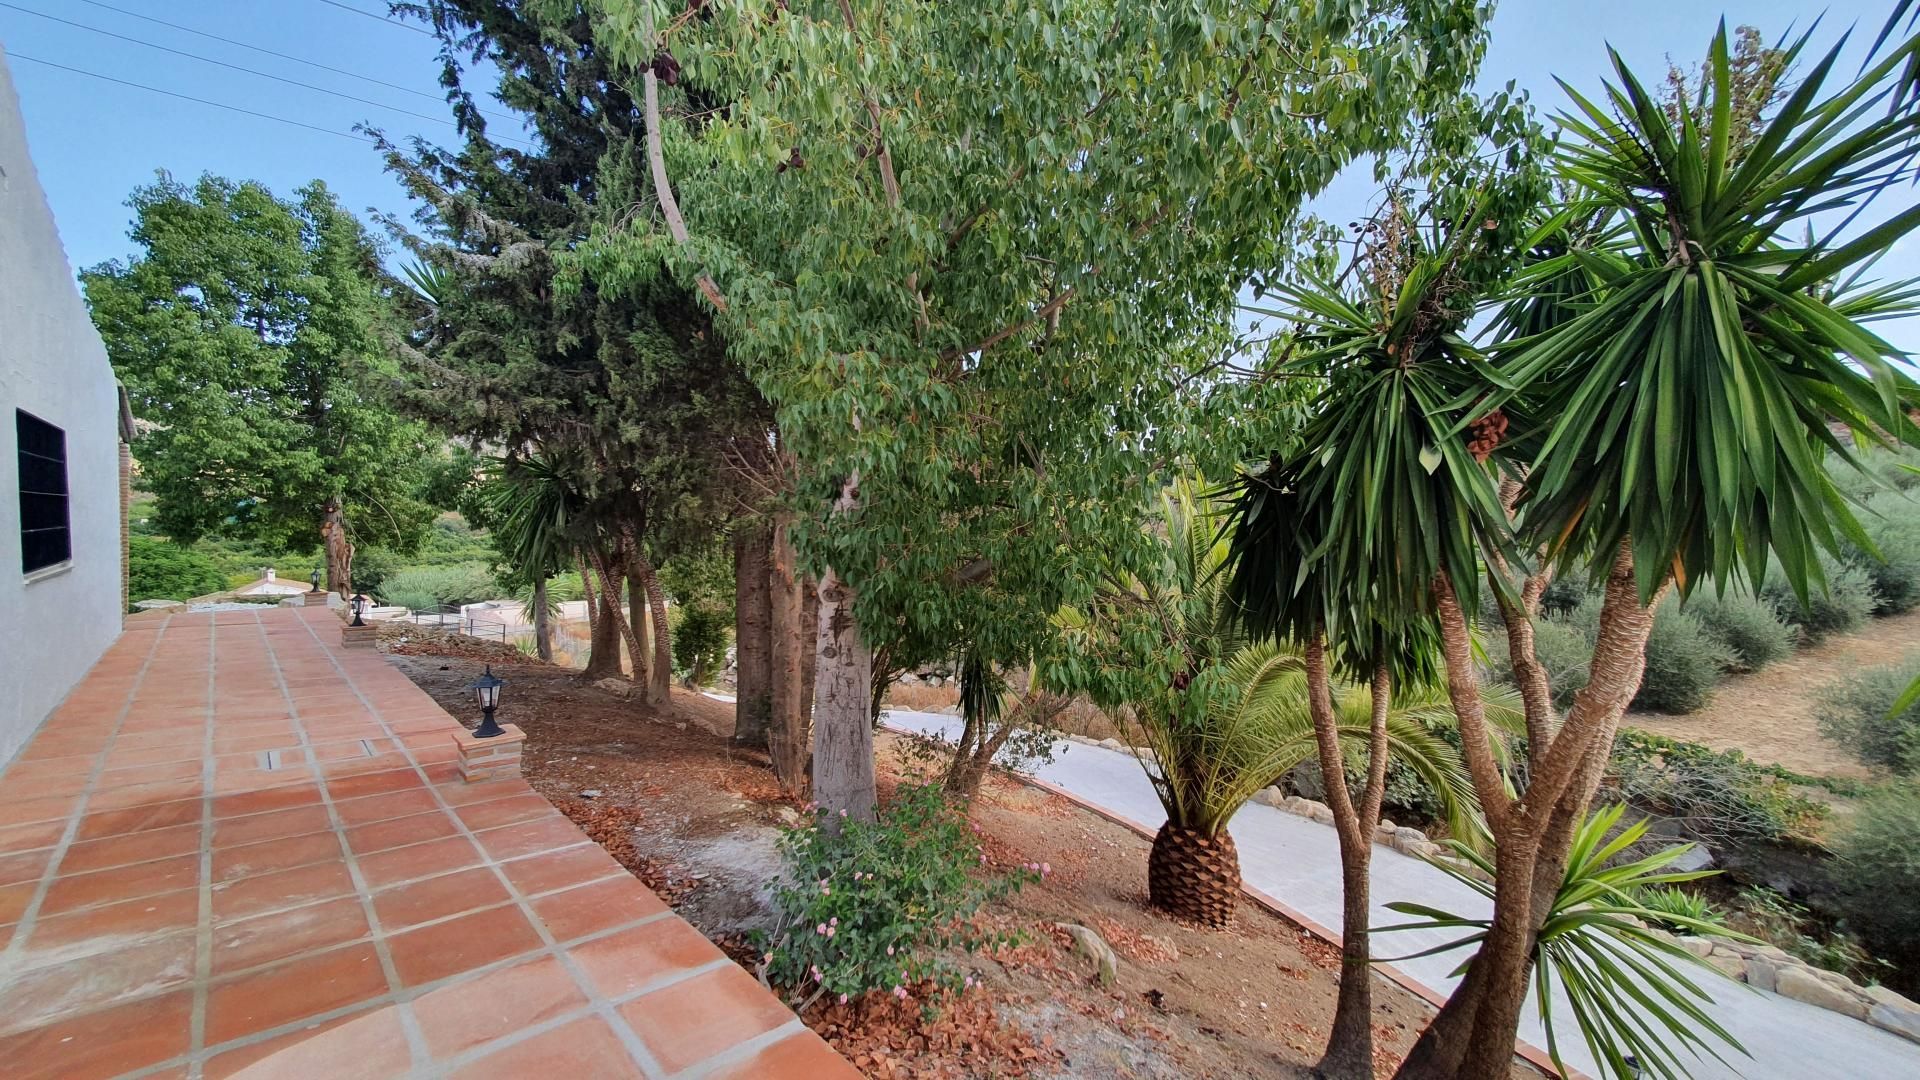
<point x="94" y="141"/>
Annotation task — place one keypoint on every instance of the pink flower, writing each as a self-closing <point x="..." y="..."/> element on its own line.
<point x="835" y="921"/>
<point x="817" y="976"/>
<point x="1046" y="868"/>
<point x="969" y="982"/>
<point x="900" y="992"/>
<point x="843" y="999"/>
<point x="889" y="950"/>
<point x="843" y="813"/>
<point x="821" y="929"/>
<point x="832" y="930"/>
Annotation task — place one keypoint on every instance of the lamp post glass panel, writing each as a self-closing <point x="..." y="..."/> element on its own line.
<point x="315" y="579"/>
<point x="487" y="689"/>
<point x="359" y="606"/>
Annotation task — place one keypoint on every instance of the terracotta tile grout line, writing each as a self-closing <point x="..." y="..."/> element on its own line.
<point x="741" y="1051"/>
<point x="44" y="726"/>
<point x="409" y="1024"/>
<point x="29" y="916"/>
<point x="203" y="925"/>
<point x="614" y="1021"/>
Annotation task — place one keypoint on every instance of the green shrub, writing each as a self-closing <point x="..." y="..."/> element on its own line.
<point x="440" y="588"/>
<point x="1857" y="713"/>
<point x="1884" y="469"/>
<point x="1883" y="864"/>
<point x="1718" y="795"/>
<point x="372" y="566"/>
<point x="1771" y="917"/>
<point x="162" y="570"/>
<point x="1892" y="520"/>
<point x="1560" y="647"/>
<point x="1747" y="627"/>
<point x="873" y="907"/>
<point x="1684" y="662"/>
<point x="700" y="635"/>
<point x="1842" y="607"/>
<point x="1691" y="907"/>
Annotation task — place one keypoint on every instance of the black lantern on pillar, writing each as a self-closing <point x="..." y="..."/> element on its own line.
<point x="315" y="579"/>
<point x="487" y="689"/>
<point x="359" y="607"/>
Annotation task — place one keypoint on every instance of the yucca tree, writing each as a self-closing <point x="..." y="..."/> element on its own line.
<point x="1224" y="713"/>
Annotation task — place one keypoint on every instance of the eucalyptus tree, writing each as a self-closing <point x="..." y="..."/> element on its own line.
<point x="246" y="331"/>
<point x="959" y="244"/>
<point x="1689" y="342"/>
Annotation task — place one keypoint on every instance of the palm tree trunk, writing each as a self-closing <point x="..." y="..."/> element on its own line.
<point x="660" y="676"/>
<point x="542" y="622"/>
<point x="610" y="595"/>
<point x="339" y="551"/>
<point x="1193" y="876"/>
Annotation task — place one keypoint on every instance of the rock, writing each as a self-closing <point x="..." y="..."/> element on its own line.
<point x="619" y="688"/>
<point x="1294" y="804"/>
<point x="1774" y="953"/>
<point x="1762" y="973"/>
<point x="1321" y="813"/>
<point x="1801" y="984"/>
<point x="1698" y="946"/>
<point x="1732" y="966"/>
<point x="1387" y="824"/>
<point x="1111" y="744"/>
<point x="590" y="793"/>
<point x="1408" y="836"/>
<point x="1883" y="996"/>
<point x="1271" y="796"/>
<point x="1902" y="1022"/>
<point x="1095" y="948"/>
<point x="158" y="605"/>
<point x="1696" y="857"/>
<point x="1833" y="978"/>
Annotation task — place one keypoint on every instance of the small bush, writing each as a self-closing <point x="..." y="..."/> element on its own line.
<point x="1884" y="469"/>
<point x="1842" y="607"/>
<point x="162" y="570"/>
<point x="1684" y="662"/>
<point x="1771" y="917"/>
<point x="441" y="588"/>
<point x="872" y="907"/>
<point x="372" y="566"/>
<point x="1673" y="900"/>
<point x="701" y="632"/>
<point x="1718" y="795"/>
<point x="1892" y="520"/>
<point x="1856" y="712"/>
<point x="1883" y="864"/>
<point x="1560" y="647"/>
<point x="1747" y="627"/>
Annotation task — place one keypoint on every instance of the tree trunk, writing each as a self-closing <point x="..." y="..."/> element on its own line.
<point x="789" y="728"/>
<point x="660" y="675"/>
<point x="542" y="622"/>
<point x="752" y="635"/>
<point x="603" y="651"/>
<point x="610" y="594"/>
<point x="843" y="780"/>
<point x="639" y="657"/>
<point x="339" y="551"/>
<point x="1193" y="876"/>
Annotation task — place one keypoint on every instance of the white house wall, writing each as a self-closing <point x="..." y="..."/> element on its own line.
<point x="52" y="364"/>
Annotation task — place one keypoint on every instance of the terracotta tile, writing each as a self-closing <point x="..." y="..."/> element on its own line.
<point x="114" y="851"/>
<point x="37" y="996"/>
<point x="15" y="898"/>
<point x="366" y="1045"/>
<point x="281" y="889"/>
<point x="44" y="808"/>
<point x="232" y="832"/>
<point x="498" y="812"/>
<point x="528" y="837"/>
<point x="101" y="1044"/>
<point x="121" y="883"/>
<point x="688" y="1022"/>
<point x="381" y="807"/>
<point x="24" y="866"/>
<point x="111" y="926"/>
<point x="184" y="748"/>
<point x="436" y="898"/>
<point x="152" y="774"/>
<point x="268" y="938"/>
<point x="586" y="1047"/>
<point x="399" y="832"/>
<point x="139" y="819"/>
<point x="548" y="871"/>
<point x="133" y="796"/>
<point x="591" y="908"/>
<point x="800" y="1056"/>
<point x="293" y="991"/>
<point x="462" y="944"/>
<point x="467" y="1013"/>
<point x="392" y="867"/>
<point x="263" y="800"/>
<point x="627" y="961"/>
<point x="462" y="793"/>
<point x="271" y="855"/>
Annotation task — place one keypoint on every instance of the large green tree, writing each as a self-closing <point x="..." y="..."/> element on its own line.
<point x="245" y="332"/>
<point x="962" y="244"/>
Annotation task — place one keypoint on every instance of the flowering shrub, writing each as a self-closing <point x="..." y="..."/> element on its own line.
<point x="871" y="907"/>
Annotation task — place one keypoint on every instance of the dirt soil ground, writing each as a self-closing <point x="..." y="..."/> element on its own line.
<point x="1769" y="715"/>
<point x="698" y="822"/>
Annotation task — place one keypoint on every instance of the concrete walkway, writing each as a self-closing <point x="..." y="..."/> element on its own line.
<point x="238" y="849"/>
<point x="1297" y="861"/>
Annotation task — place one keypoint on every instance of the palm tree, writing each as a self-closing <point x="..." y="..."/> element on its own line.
<point x="1231" y="714"/>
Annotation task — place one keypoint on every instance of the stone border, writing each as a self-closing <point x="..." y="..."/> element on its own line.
<point x="1763" y="967"/>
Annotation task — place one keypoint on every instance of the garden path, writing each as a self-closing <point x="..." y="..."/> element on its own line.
<point x="1294" y="860"/>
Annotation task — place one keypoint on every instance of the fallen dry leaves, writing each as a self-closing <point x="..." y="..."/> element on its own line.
<point x="611" y="826"/>
<point x="930" y="1035"/>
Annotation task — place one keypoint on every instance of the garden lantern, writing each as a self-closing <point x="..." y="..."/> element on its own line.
<point x="359" y="607"/>
<point x="487" y="689"/>
<point x="315" y="579"/>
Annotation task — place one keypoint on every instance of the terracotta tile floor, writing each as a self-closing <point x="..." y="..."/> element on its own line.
<point x="241" y="850"/>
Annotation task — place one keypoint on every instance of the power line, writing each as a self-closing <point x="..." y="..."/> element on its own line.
<point x="284" y="56"/>
<point x="237" y="67"/>
<point x="388" y="19"/>
<point x="189" y="97"/>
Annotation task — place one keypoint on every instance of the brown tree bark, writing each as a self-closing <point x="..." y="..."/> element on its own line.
<point x="610" y="611"/>
<point x="789" y="728"/>
<point x="660" y="670"/>
<point x="339" y="550"/>
<point x="1194" y="876"/>
<point x="542" y="623"/>
<point x="752" y="634"/>
<point x="843" y="779"/>
<point x="979" y="743"/>
<point x="639" y="657"/>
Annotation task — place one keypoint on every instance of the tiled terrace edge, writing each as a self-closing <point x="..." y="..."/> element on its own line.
<point x="240" y="849"/>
